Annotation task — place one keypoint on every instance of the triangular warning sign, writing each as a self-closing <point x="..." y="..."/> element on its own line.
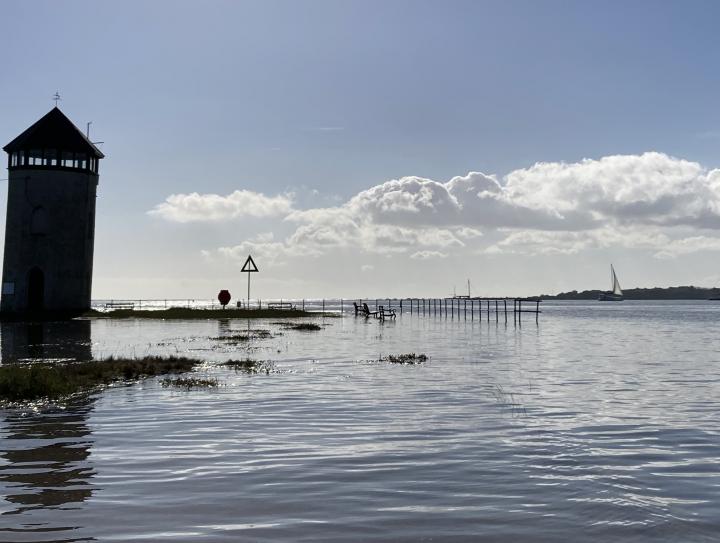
<point x="249" y="265"/>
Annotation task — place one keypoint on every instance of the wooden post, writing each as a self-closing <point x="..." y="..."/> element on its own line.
<point x="519" y="311"/>
<point x="505" y="304"/>
<point x="497" y="317"/>
<point x="303" y="304"/>
<point x="323" y="305"/>
<point x="537" y="311"/>
<point x="401" y="306"/>
<point x="341" y="306"/>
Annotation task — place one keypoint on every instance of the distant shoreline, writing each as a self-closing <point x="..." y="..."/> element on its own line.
<point x="654" y="293"/>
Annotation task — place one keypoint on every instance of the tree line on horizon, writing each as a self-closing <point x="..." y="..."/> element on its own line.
<point x="654" y="293"/>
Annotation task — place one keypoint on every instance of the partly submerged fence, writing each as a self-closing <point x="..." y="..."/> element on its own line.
<point x="456" y="307"/>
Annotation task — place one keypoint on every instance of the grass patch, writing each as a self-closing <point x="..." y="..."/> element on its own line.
<point x="249" y="366"/>
<point x="245" y="336"/>
<point x="303" y="326"/>
<point x="28" y="382"/>
<point x="190" y="313"/>
<point x="409" y="358"/>
<point x="190" y="383"/>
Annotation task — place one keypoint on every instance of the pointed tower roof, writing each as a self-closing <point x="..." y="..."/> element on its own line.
<point x="54" y="131"/>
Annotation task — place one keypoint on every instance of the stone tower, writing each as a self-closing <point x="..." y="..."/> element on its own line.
<point x="50" y="225"/>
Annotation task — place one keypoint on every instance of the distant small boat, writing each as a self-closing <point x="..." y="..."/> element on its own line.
<point x="616" y="294"/>
<point x="462" y="296"/>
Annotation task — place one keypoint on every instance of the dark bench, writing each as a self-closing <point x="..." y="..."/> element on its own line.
<point x="386" y="313"/>
<point x="281" y="305"/>
<point x="120" y="305"/>
<point x="366" y="311"/>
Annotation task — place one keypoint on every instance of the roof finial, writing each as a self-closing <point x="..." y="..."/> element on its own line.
<point x="56" y="97"/>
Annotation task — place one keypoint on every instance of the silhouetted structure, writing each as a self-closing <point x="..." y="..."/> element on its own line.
<point x="50" y="225"/>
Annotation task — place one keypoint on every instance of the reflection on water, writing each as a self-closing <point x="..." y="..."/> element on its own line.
<point x="45" y="458"/>
<point x="44" y="453"/>
<point x="67" y="340"/>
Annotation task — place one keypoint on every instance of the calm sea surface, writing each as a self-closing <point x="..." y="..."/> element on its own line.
<point x="600" y="423"/>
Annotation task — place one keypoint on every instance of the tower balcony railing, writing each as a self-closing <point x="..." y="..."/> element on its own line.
<point x="52" y="158"/>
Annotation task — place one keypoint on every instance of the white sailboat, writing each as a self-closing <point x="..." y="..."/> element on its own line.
<point x="616" y="294"/>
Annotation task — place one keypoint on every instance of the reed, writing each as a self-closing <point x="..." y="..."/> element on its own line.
<point x="302" y="326"/>
<point x="28" y="382"/>
<point x="245" y="336"/>
<point x="409" y="358"/>
<point x="249" y="366"/>
<point x="190" y="383"/>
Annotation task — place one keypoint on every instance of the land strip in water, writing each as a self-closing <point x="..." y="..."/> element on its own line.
<point x="195" y="313"/>
<point x="51" y="381"/>
<point x="654" y="293"/>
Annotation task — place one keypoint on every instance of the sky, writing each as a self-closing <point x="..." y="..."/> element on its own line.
<point x="384" y="148"/>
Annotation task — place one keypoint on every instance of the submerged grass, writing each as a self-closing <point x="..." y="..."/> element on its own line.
<point x="28" y="382"/>
<point x="190" y="383"/>
<point x="303" y="326"/>
<point x="409" y="358"/>
<point x="190" y="313"/>
<point x="245" y="336"/>
<point x="249" y="366"/>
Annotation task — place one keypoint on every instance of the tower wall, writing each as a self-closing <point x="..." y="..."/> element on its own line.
<point x="50" y="227"/>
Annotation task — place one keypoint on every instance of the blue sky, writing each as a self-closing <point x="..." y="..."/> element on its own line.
<point x="323" y="100"/>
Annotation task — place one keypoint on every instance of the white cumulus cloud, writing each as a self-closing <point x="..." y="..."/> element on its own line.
<point x="651" y="201"/>
<point x="195" y="207"/>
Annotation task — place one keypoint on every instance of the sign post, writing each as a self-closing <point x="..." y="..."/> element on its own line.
<point x="249" y="267"/>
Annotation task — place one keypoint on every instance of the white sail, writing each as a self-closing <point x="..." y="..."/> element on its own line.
<point x="615" y="283"/>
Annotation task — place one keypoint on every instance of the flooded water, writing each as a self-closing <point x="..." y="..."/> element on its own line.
<point x="599" y="423"/>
